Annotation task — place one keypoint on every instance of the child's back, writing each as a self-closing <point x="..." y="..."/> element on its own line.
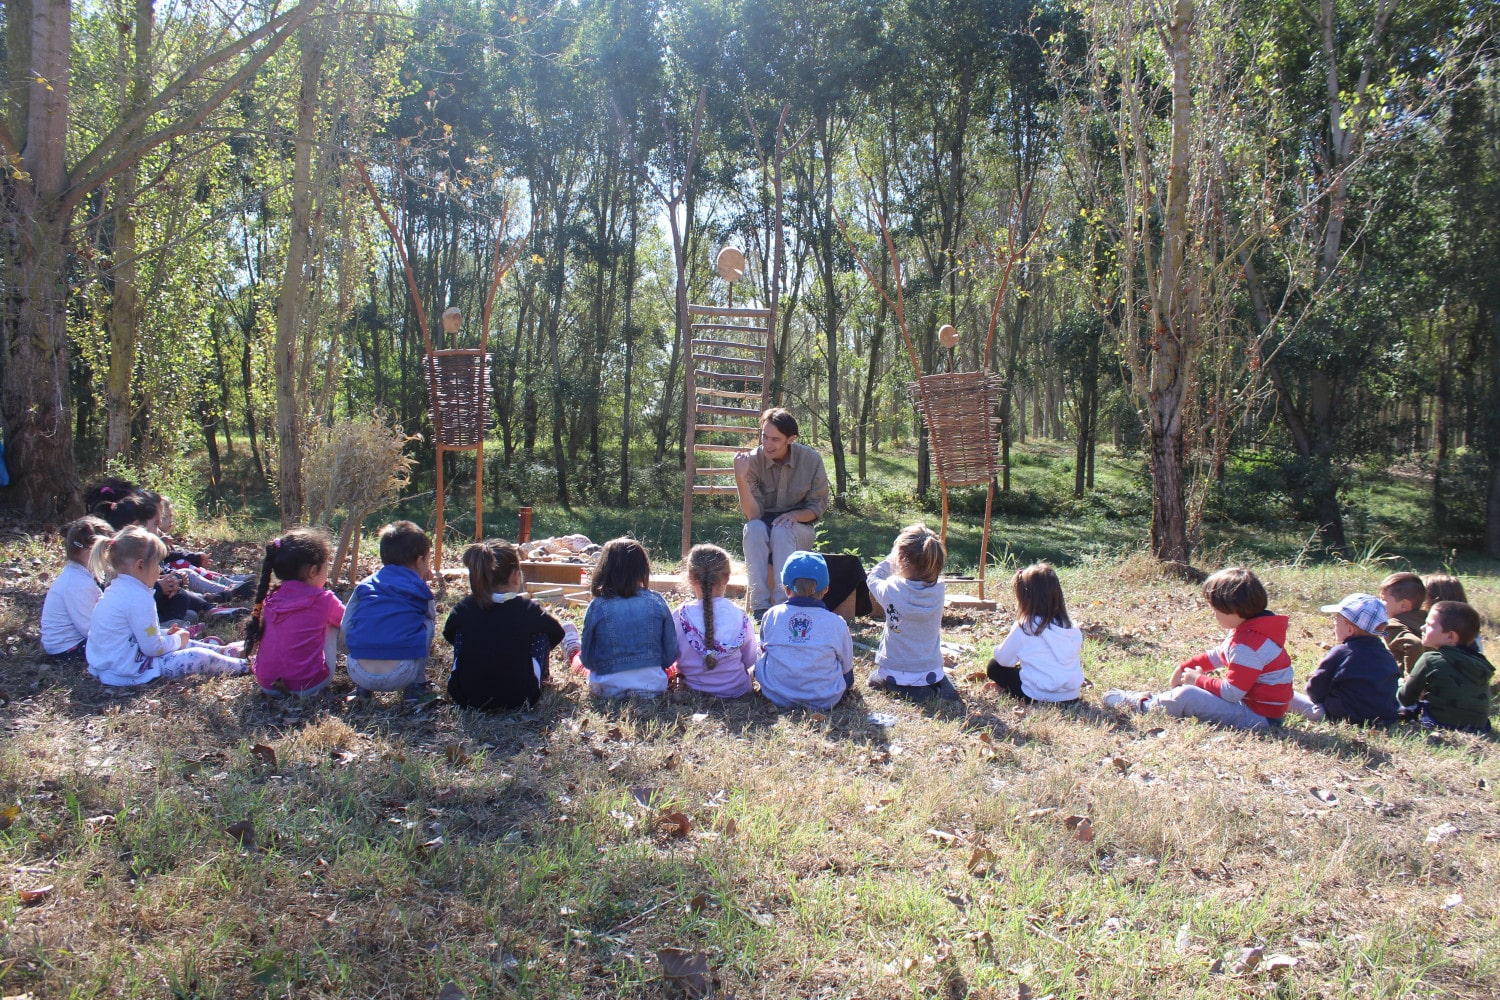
<point x="733" y="646"/>
<point x="1454" y="682"/>
<point x="1356" y="681"/>
<point x="389" y="616"/>
<point x="294" y="649"/>
<point x="806" y="657"/>
<point x="495" y="647"/>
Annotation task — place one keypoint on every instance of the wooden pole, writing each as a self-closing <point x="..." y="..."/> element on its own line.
<point x="437" y="559"/>
<point x="479" y="482"/>
<point x="984" y="543"/>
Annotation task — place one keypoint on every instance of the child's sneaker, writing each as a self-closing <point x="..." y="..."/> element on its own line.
<point x="1135" y="701"/>
<point x="571" y="643"/>
<point x="418" y="693"/>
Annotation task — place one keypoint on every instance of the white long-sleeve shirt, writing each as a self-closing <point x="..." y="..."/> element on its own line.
<point x="125" y="634"/>
<point x="68" y="609"/>
<point x="1050" y="666"/>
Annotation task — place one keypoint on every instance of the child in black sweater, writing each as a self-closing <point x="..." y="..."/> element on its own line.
<point x="501" y="638"/>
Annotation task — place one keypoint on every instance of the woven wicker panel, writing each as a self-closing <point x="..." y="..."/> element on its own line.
<point x="960" y="414"/>
<point x="459" y="385"/>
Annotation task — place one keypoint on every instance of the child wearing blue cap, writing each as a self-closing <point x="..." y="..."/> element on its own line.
<point x="806" y="654"/>
<point x="1356" y="681"/>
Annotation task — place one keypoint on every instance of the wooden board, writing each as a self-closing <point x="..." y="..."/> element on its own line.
<point x="551" y="572"/>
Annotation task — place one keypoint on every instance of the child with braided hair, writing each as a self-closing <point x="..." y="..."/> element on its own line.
<point x="715" y="640"/>
<point x="127" y="645"/>
<point x="294" y="628"/>
<point x="502" y="639"/>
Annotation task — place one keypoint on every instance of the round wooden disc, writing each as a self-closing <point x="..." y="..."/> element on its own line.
<point x="731" y="264"/>
<point x="453" y="319"/>
<point x="947" y="335"/>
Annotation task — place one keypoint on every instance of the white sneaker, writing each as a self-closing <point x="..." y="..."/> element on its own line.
<point x="1118" y="698"/>
<point x="571" y="643"/>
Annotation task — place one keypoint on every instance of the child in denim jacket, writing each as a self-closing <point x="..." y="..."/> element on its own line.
<point x="629" y="639"/>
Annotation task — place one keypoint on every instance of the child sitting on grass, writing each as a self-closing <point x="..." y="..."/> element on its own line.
<point x="1257" y="686"/>
<point x="806" y="655"/>
<point x="1404" y="596"/>
<point x="391" y="617"/>
<point x="907" y="587"/>
<point x="1449" y="688"/>
<point x="716" y="643"/>
<point x="68" y="608"/>
<point x="1356" y="681"/>
<point x="629" y="639"/>
<point x="296" y="625"/>
<point x="502" y="639"/>
<point x="126" y="644"/>
<point x="1039" y="660"/>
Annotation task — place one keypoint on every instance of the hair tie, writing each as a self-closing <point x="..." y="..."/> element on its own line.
<point x="275" y="543"/>
<point x="106" y="491"/>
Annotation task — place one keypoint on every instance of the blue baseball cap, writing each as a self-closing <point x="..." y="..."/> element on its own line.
<point x="1361" y="610"/>
<point x="802" y="565"/>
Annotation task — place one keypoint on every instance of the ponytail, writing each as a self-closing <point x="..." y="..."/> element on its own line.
<point x="255" y="629"/>
<point x="708" y="566"/>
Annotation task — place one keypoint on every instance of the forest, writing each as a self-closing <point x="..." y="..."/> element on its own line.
<point x="1250" y="242"/>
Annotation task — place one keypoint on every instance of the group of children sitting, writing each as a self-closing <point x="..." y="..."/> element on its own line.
<point x="801" y="656"/>
<point x="1420" y="628"/>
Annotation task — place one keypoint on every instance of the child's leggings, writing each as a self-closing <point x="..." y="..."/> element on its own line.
<point x="199" y="658"/>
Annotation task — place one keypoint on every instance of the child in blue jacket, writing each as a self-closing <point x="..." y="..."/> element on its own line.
<point x="391" y="617"/>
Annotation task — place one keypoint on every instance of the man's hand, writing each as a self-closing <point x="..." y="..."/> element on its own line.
<point x="741" y="465"/>
<point x="786" y="520"/>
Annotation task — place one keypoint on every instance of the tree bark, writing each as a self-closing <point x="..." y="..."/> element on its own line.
<point x="293" y="300"/>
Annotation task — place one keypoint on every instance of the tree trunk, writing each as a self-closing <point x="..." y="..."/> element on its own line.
<point x="832" y="321"/>
<point x="294" y="293"/>
<point x="36" y="405"/>
<point x="1169" y="540"/>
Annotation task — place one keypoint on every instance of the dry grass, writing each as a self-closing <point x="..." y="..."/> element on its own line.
<point x="393" y="850"/>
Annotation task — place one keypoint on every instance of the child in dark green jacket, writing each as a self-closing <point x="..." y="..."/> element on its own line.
<point x="1449" y="688"/>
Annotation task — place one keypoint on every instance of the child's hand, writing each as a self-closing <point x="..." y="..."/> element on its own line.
<point x="1190" y="675"/>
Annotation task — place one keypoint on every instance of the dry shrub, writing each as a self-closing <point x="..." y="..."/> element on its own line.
<point x="356" y="466"/>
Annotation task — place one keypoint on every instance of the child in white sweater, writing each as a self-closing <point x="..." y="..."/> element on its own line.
<point x="806" y="654"/>
<point x="1039" y="660"/>
<point x="126" y="644"/>
<point x="69" y="606"/>
<point x="908" y="588"/>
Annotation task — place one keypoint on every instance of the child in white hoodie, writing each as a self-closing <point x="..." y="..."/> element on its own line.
<point x="908" y="587"/>
<point x="1039" y="660"/>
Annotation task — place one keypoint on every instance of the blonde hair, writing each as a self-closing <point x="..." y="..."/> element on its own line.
<point x="919" y="553"/>
<point x="707" y="567"/>
<point x="111" y="556"/>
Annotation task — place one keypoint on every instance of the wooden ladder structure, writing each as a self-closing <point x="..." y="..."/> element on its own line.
<point x="729" y="371"/>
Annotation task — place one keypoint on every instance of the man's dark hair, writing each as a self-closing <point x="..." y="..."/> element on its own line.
<point x="1235" y="591"/>
<point x="402" y="543"/>
<point x="780" y="419"/>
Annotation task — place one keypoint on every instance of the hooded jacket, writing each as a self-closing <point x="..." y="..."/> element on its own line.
<point x="911" y="644"/>
<point x="1456" y="683"/>
<point x="391" y="616"/>
<point x="1257" y="668"/>
<point x="296" y="618"/>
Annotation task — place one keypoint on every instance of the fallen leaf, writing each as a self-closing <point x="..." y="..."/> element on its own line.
<point x="698" y="903"/>
<point x="1435" y="834"/>
<point x="674" y="824"/>
<point x="450" y="991"/>
<point x="1326" y="796"/>
<point x="644" y="795"/>
<point x="99" y="822"/>
<point x="1453" y="901"/>
<point x="35" y="897"/>
<point x="976" y="677"/>
<point x="1248" y="960"/>
<point x="980" y="859"/>
<point x="728" y="827"/>
<point x="1121" y="764"/>
<point x="942" y="836"/>
<point x="688" y="969"/>
<point x="456" y="755"/>
<point x="614" y="734"/>
<point x="434" y="844"/>
<point x="243" y="831"/>
<point x="1084" y="831"/>
<point x="669" y="762"/>
<point x="264" y="754"/>
<point x="1039" y="813"/>
<point x="1279" y="965"/>
<point x="8" y="816"/>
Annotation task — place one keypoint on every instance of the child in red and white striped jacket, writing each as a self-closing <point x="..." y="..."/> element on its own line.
<point x="1256" y="688"/>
